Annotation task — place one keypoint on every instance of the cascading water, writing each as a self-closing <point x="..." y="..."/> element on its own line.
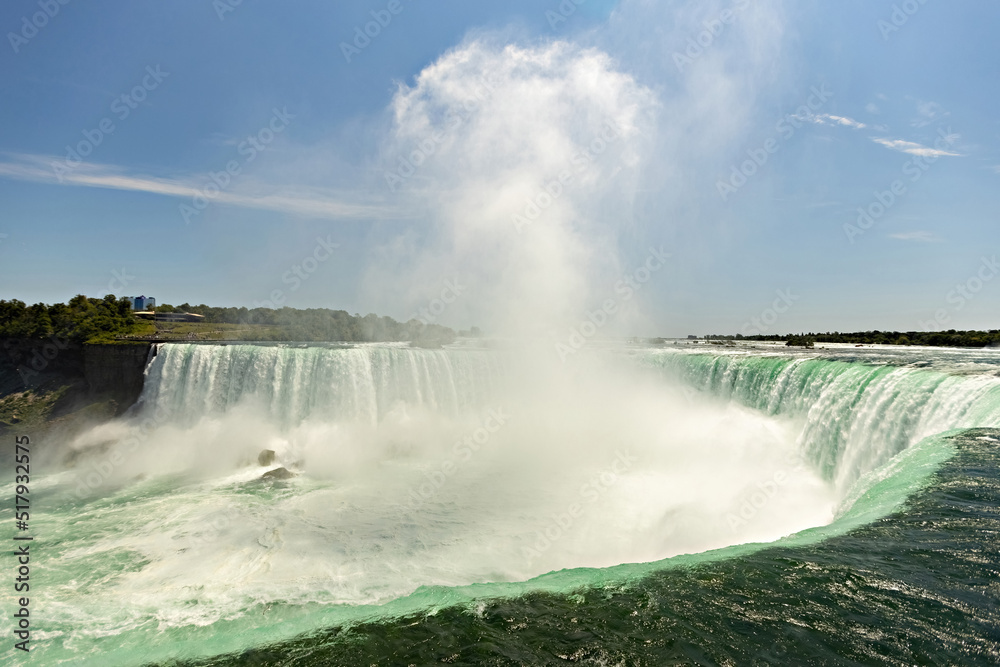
<point x="359" y="384"/>
<point x="430" y="477"/>
<point x="856" y="415"/>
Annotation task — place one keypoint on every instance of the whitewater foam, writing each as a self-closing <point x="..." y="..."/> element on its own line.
<point x="393" y="510"/>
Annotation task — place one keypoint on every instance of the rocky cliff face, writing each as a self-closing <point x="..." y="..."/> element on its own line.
<point x="30" y="363"/>
<point x="46" y="380"/>
<point x="116" y="370"/>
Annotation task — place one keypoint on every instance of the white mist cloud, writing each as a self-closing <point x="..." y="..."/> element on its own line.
<point x="524" y="159"/>
<point x="532" y="111"/>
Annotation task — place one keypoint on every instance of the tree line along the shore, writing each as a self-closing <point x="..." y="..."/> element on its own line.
<point x="949" y="338"/>
<point x="111" y="319"/>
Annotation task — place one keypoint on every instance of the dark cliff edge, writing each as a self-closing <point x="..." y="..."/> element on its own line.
<point x="45" y="383"/>
<point x="117" y="370"/>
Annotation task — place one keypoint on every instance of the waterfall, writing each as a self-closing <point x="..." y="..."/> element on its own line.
<point x="294" y="384"/>
<point x="856" y="416"/>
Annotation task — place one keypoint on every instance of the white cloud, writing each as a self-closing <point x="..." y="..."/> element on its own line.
<point x="900" y="145"/>
<point x="310" y="202"/>
<point x="912" y="148"/>
<point x="921" y="236"/>
<point x="871" y="107"/>
<point x="830" y="119"/>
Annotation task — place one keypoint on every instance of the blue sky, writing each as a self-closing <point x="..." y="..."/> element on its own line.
<point x="838" y="102"/>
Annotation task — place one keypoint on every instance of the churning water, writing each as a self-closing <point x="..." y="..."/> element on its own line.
<point x="457" y="481"/>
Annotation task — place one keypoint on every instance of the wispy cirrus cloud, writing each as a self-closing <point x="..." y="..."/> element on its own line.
<point x="310" y="202"/>
<point x="928" y="111"/>
<point x="830" y="119"/>
<point x="921" y="236"/>
<point x="913" y="148"/>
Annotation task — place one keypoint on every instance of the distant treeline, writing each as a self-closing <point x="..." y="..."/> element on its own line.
<point x="101" y="320"/>
<point x="950" y="338"/>
<point x="80" y="320"/>
<point x="319" y="324"/>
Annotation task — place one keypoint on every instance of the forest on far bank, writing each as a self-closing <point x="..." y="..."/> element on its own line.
<point x="110" y="319"/>
<point x="949" y="338"/>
